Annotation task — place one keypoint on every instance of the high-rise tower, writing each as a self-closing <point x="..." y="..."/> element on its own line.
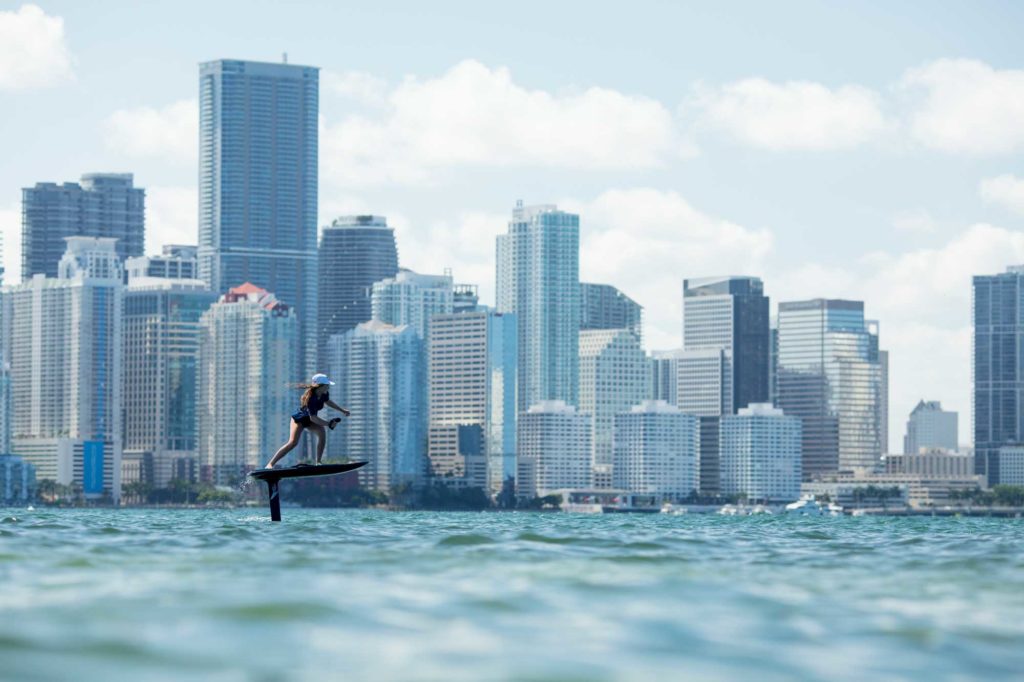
<point x="258" y="184"/>
<point x="355" y="252"/>
<point x="830" y="375"/>
<point x="998" y="371"/>
<point x="538" y="280"/>
<point x="100" y="205"/>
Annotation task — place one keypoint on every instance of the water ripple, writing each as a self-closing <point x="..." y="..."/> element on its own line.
<point x="223" y="594"/>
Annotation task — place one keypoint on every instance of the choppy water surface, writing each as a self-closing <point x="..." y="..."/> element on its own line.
<point x="332" y="594"/>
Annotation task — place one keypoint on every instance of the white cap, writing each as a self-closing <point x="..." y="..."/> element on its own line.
<point x="321" y="379"/>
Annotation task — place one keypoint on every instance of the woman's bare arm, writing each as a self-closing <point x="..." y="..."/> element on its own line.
<point x="336" y="406"/>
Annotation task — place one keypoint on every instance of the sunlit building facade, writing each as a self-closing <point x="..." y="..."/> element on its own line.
<point x="247" y="366"/>
<point x="538" y="280"/>
<point x="830" y="376"/>
<point x="657" y="450"/>
<point x="258" y="183"/>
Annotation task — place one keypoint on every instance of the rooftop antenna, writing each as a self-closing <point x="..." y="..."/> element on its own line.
<point x="284" y="57"/>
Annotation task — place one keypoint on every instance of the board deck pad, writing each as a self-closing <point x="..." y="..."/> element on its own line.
<point x="303" y="470"/>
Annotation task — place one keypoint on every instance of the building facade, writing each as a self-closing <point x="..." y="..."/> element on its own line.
<point x="657" y="450"/>
<point x="380" y="372"/>
<point x="411" y="299"/>
<point x="355" y="252"/>
<point x="704" y="387"/>
<point x="929" y="427"/>
<point x="160" y="377"/>
<point x="538" y="280"/>
<point x="664" y="366"/>
<point x="830" y="375"/>
<point x="1011" y="465"/>
<point x="64" y="333"/>
<point x="471" y="380"/>
<point x="258" y="184"/>
<point x="100" y="205"/>
<point x="760" y="454"/>
<point x="553" y="448"/>
<point x="614" y="376"/>
<point x="602" y="306"/>
<point x="17" y="480"/>
<point x="177" y="261"/>
<point x="731" y="314"/>
<point x="247" y="365"/>
<point x="998" y="396"/>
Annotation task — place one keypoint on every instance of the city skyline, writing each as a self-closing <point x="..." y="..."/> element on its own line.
<point x="851" y="207"/>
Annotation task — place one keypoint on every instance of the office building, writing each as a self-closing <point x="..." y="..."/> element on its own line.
<point x="258" y="185"/>
<point x="63" y="335"/>
<point x="100" y="205"/>
<point x="466" y="298"/>
<point x="602" y="306"/>
<point x="932" y="463"/>
<point x="998" y="375"/>
<point x="411" y="299"/>
<point x="471" y="380"/>
<point x="830" y="376"/>
<point x="247" y="366"/>
<point x="1011" y="465"/>
<point x="664" y="366"/>
<point x="553" y="448"/>
<point x="760" y="454"/>
<point x="614" y="377"/>
<point x="355" y="252"/>
<point x="538" y="280"/>
<point x="656" y="451"/>
<point x="17" y="481"/>
<point x="161" y="333"/>
<point x="177" y="261"/>
<point x="731" y="314"/>
<point x="380" y="371"/>
<point x="930" y="427"/>
<point x="704" y="386"/>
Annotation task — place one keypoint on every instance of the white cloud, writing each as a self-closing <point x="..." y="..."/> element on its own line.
<point x="170" y="133"/>
<point x="796" y="115"/>
<point x="465" y="243"/>
<point x="645" y="241"/>
<point x="362" y="87"/>
<point x="966" y="106"/>
<point x="915" y="221"/>
<point x="33" y="51"/>
<point x="473" y="115"/>
<point x="172" y="215"/>
<point x="1005" y="190"/>
<point x="10" y="228"/>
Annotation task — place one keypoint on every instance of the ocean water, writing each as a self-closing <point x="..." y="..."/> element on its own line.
<point x="370" y="595"/>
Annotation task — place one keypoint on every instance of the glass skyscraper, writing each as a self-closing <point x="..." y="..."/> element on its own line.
<point x="538" y="280"/>
<point x="160" y="326"/>
<point x="258" y="183"/>
<point x="731" y="314"/>
<point x="830" y="375"/>
<point x="998" y="382"/>
<point x="602" y="306"/>
<point x="355" y="252"/>
<point x="100" y="205"/>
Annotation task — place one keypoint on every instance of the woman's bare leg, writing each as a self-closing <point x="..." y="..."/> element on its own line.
<point x="321" y="440"/>
<point x="293" y="440"/>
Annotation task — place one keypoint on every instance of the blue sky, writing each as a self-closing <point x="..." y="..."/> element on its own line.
<point x="866" y="150"/>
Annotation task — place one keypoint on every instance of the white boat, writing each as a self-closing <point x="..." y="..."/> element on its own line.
<point x="808" y="505"/>
<point x="744" y="510"/>
<point x="669" y="508"/>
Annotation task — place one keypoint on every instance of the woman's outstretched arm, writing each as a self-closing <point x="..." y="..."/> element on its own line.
<point x="339" y="408"/>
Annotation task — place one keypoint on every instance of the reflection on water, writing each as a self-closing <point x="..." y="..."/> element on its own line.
<point x="330" y="594"/>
